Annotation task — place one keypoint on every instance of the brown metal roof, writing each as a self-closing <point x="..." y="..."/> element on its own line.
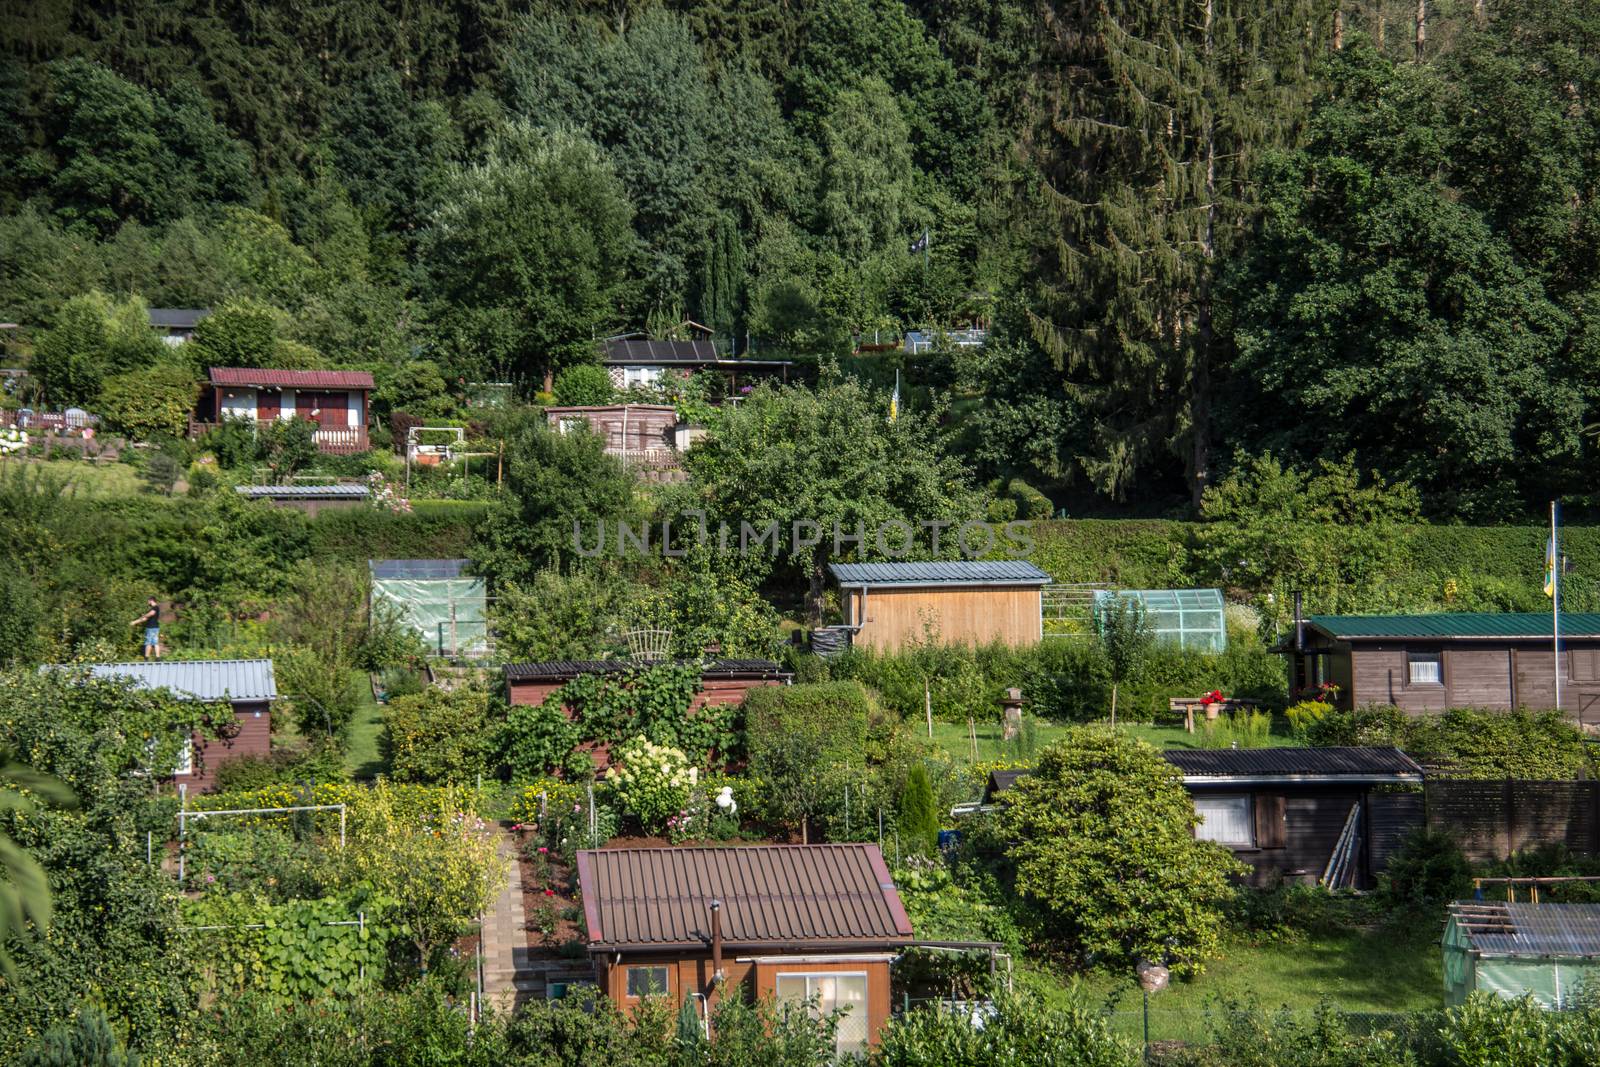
<point x="291" y="379"/>
<point x="811" y="896"/>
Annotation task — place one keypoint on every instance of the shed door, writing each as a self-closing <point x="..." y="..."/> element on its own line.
<point x="269" y="402"/>
<point x="327" y="410"/>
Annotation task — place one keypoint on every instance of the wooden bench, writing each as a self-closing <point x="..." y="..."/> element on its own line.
<point x="1214" y="709"/>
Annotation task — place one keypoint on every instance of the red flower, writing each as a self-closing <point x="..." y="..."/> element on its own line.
<point x="549" y="892"/>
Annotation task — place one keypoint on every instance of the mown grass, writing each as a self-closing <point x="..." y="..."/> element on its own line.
<point x="1378" y="970"/>
<point x="363" y="757"/>
<point x="89" y="479"/>
<point x="954" y="739"/>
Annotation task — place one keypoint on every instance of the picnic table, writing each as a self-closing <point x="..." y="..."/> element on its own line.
<point x="1212" y="707"/>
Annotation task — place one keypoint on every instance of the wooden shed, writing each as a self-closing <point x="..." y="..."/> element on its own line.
<point x="311" y="499"/>
<point x="799" y="923"/>
<point x="975" y="602"/>
<point x="1428" y="663"/>
<point x="247" y="685"/>
<point x="1312" y="815"/>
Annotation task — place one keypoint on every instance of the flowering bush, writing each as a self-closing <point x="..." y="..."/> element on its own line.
<point x="711" y="813"/>
<point x="653" y="781"/>
<point x="556" y="813"/>
<point x="13" y="440"/>
<point x="385" y="496"/>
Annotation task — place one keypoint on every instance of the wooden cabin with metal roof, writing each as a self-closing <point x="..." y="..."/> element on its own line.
<point x="1321" y="816"/>
<point x="722" y="681"/>
<point x="1429" y="663"/>
<point x="795" y="923"/>
<point x="887" y="606"/>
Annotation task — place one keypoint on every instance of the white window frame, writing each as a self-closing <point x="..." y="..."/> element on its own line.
<point x="185" y="759"/>
<point x="640" y="376"/>
<point x="627" y="980"/>
<point x="1247" y="801"/>
<point x="1434" y="660"/>
<point x="809" y="978"/>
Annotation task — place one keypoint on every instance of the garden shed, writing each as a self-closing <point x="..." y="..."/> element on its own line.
<point x="722" y="681"/>
<point x="1192" y="619"/>
<point x="310" y="499"/>
<point x="1546" y="951"/>
<point x="976" y="602"/>
<point x="796" y="923"/>
<point x="246" y="685"/>
<point x="437" y="598"/>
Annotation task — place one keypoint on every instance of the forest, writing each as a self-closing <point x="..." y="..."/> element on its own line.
<point x="1197" y="230"/>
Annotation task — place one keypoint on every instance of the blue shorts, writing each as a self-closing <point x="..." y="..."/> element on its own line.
<point x="152" y="636"/>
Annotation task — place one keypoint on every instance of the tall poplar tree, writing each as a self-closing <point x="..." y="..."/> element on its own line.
<point x="1150" y="115"/>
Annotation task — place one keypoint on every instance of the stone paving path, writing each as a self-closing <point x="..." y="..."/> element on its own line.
<point x="505" y="935"/>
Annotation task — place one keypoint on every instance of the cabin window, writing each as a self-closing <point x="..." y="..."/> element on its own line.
<point x="1424" y="668"/>
<point x="185" y="758"/>
<point x="640" y="376"/>
<point x="829" y="993"/>
<point x="647" y="981"/>
<point x="1585" y="665"/>
<point x="1227" y="820"/>
<point x="569" y="425"/>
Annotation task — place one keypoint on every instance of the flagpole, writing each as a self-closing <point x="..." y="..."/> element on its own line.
<point x="1555" y="600"/>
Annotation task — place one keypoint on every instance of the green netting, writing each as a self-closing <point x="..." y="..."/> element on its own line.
<point x="449" y="614"/>
<point x="1189" y="618"/>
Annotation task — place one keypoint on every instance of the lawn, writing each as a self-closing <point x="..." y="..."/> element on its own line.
<point x="1358" y="969"/>
<point x="953" y="738"/>
<point x="90" y="479"/>
<point x="362" y="756"/>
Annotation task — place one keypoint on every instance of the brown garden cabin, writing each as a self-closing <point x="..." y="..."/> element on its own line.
<point x="793" y="922"/>
<point x="887" y="606"/>
<point x="722" y="681"/>
<point x="1318" y="816"/>
<point x="1429" y="663"/>
<point x="336" y="400"/>
<point x="247" y="685"/>
<point x="646" y="437"/>
<point x="641" y="362"/>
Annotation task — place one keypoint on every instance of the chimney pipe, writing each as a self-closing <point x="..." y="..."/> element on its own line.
<point x="716" y="944"/>
<point x="1299" y="625"/>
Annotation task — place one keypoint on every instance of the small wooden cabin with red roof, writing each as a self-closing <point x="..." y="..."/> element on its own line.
<point x="336" y="400"/>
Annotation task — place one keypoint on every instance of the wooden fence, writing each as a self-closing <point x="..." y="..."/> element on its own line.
<point x="1493" y="819"/>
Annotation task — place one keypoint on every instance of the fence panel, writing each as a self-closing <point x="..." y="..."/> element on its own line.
<point x="1492" y="820"/>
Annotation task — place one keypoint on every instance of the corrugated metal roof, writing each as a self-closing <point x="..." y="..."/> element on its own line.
<point x="941" y="572"/>
<point x="208" y="679"/>
<point x="177" y="318"/>
<point x="1354" y="765"/>
<point x="567" y="669"/>
<point x="1460" y="624"/>
<point x="1284" y="762"/>
<point x="770" y="894"/>
<point x="273" y="378"/>
<point x="417" y="569"/>
<point x="301" y="492"/>
<point x="1502" y="928"/>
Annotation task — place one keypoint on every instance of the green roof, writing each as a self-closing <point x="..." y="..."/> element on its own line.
<point x="1462" y="624"/>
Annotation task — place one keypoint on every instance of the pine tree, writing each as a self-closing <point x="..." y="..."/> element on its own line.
<point x="1151" y="114"/>
<point x="918" y="819"/>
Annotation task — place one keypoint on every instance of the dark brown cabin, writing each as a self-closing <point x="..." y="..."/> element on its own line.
<point x="247" y="685"/>
<point x="1311" y="815"/>
<point x="818" y="923"/>
<point x="1429" y="663"/>
<point x="722" y="681"/>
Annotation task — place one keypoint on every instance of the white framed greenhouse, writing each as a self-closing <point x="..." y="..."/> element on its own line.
<point x="1194" y="619"/>
<point x="446" y="606"/>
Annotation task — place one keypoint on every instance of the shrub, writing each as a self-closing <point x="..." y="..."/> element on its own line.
<point x="652" y="781"/>
<point x="321" y="763"/>
<point x="153" y="401"/>
<point x="1031" y="503"/>
<point x="1020" y="1032"/>
<point x="583" y="384"/>
<point x="803" y="742"/>
<point x="917" y="818"/>
<point x="436" y="736"/>
<point x="1104" y="846"/>
<point x="233" y="442"/>
<point x="1304" y="716"/>
<point x="537" y="740"/>
<point x="1426" y="872"/>
<point x="86" y="1041"/>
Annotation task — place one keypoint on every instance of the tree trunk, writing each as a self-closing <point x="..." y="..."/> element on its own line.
<point x="1422" y="27"/>
<point x="1338" y="29"/>
<point x="814" y="592"/>
<point x="1113" y="703"/>
<point x="1480" y="12"/>
<point x="1200" y="404"/>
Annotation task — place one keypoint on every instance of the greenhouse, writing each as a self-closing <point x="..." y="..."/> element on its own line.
<point x="1191" y="619"/>
<point x="446" y="606"/>
<point x="1547" y="951"/>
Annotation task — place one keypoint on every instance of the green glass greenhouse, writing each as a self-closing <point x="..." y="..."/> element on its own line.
<point x="1189" y="618"/>
<point x="438" y="599"/>
<point x="1548" y="951"/>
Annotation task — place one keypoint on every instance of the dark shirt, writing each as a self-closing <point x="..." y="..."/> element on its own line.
<point x="152" y="617"/>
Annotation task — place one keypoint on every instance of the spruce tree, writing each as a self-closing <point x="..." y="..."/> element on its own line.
<point x="1151" y="114"/>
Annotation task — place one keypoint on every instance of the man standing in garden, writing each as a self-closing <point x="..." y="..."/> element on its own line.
<point x="151" y="621"/>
